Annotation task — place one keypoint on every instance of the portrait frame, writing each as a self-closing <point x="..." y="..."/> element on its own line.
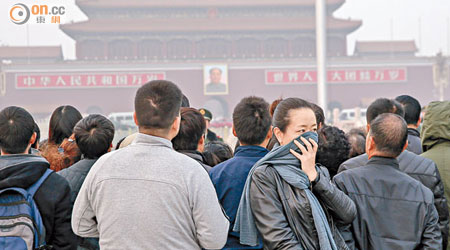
<point x="209" y="88"/>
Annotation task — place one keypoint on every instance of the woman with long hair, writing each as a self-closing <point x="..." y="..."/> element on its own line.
<point x="61" y="150"/>
<point x="289" y="199"/>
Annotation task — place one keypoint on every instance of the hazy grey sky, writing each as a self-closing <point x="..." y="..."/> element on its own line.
<point x="382" y="20"/>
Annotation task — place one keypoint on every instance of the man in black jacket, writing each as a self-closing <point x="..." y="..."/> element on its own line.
<point x="412" y="117"/>
<point x="20" y="169"/>
<point x="94" y="135"/>
<point x="190" y="140"/>
<point x="394" y="210"/>
<point x="420" y="168"/>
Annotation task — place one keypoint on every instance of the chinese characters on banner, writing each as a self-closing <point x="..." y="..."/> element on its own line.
<point x="85" y="80"/>
<point x="274" y="77"/>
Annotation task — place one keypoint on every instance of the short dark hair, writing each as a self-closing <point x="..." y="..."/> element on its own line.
<point x="38" y="136"/>
<point x="185" y="102"/>
<point x="251" y="120"/>
<point x="334" y="148"/>
<point x="412" y="108"/>
<point x="318" y="112"/>
<point x="381" y="106"/>
<point x="94" y="135"/>
<point x="281" y="117"/>
<point x="62" y="121"/>
<point x="157" y="104"/>
<point x="220" y="149"/>
<point x="192" y="128"/>
<point x="390" y="133"/>
<point x="16" y="130"/>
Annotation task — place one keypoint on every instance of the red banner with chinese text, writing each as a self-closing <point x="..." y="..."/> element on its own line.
<point x="274" y="77"/>
<point x="84" y="80"/>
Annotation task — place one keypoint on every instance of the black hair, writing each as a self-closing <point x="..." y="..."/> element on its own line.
<point x="16" y="130"/>
<point x="357" y="140"/>
<point x="412" y="108"/>
<point x="334" y="148"/>
<point x="38" y="136"/>
<point x="381" y="106"/>
<point x="219" y="149"/>
<point x="192" y="128"/>
<point x="157" y="104"/>
<point x="318" y="112"/>
<point x="281" y="117"/>
<point x="185" y="102"/>
<point x="94" y="135"/>
<point x="390" y="133"/>
<point x="251" y="120"/>
<point x="62" y="122"/>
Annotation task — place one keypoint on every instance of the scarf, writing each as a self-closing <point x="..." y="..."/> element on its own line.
<point x="288" y="167"/>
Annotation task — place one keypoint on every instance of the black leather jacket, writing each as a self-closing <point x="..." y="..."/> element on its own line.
<point x="423" y="170"/>
<point x="283" y="214"/>
<point x="394" y="210"/>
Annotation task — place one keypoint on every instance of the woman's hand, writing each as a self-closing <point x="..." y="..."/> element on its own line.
<point x="308" y="157"/>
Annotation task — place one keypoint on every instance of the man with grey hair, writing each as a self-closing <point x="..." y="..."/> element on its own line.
<point x="416" y="166"/>
<point x="394" y="210"/>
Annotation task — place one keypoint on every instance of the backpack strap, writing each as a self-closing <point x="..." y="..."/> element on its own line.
<point x="33" y="188"/>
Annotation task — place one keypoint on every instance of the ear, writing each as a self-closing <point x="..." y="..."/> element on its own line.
<point x="367" y="128"/>
<point x="234" y="132"/>
<point x="370" y="146"/>
<point x="110" y="147"/>
<point x="269" y="133"/>
<point x="201" y="144"/>
<point x="418" y="122"/>
<point x="176" y="124"/>
<point x="33" y="139"/>
<point x="278" y="134"/>
<point x="135" y="119"/>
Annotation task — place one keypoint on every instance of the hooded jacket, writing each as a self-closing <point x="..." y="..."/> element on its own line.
<point x="52" y="198"/>
<point x="436" y="140"/>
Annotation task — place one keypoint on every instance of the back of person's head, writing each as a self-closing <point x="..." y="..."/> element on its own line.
<point x="36" y="130"/>
<point x="220" y="149"/>
<point x="357" y="140"/>
<point x="94" y="135"/>
<point x="412" y="108"/>
<point x="157" y="105"/>
<point x="281" y="117"/>
<point x="389" y="133"/>
<point x="251" y="120"/>
<point x="333" y="149"/>
<point x="185" y="102"/>
<point x="16" y="130"/>
<point x="210" y="158"/>
<point x="192" y="129"/>
<point x="382" y="106"/>
<point x="320" y="116"/>
<point x="274" y="105"/>
<point x="62" y="122"/>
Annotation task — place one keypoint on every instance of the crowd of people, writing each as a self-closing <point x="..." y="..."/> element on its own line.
<point x="291" y="182"/>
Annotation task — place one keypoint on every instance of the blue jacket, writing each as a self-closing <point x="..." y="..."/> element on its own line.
<point x="229" y="179"/>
